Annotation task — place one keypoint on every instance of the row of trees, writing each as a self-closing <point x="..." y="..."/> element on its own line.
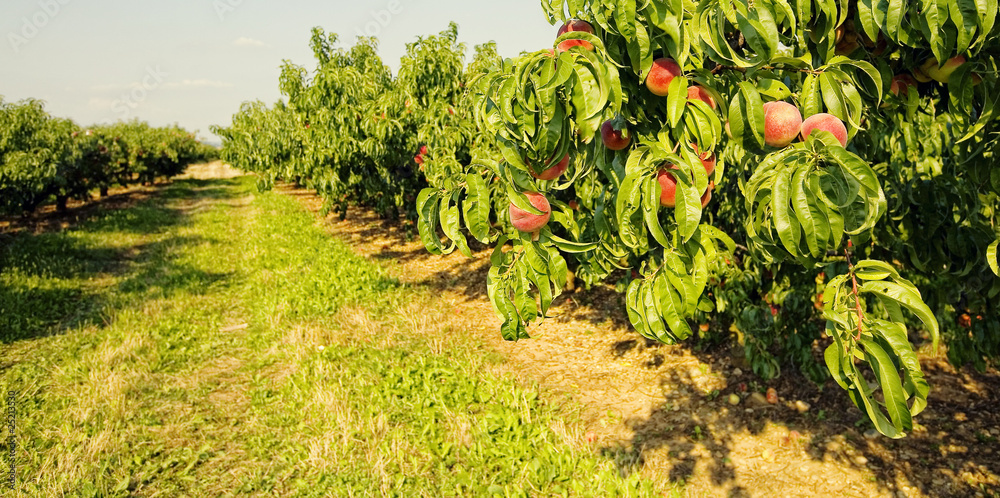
<point x="355" y="132"/>
<point x="43" y="157"/>
<point x="661" y="147"/>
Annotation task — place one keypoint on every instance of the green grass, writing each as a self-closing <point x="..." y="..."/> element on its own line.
<point x="214" y="341"/>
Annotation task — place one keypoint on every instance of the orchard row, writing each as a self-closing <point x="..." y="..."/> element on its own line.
<point x="45" y="158"/>
<point x="767" y="174"/>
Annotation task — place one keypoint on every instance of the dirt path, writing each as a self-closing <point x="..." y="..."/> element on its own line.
<point x="662" y="410"/>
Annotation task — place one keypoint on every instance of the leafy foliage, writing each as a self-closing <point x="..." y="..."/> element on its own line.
<point x="43" y="157"/>
<point x="698" y="215"/>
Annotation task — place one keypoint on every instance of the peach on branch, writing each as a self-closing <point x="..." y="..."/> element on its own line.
<point x="943" y="73"/>
<point x="613" y="138"/>
<point x="827" y="122"/>
<point x="553" y="172"/>
<point x="708" y="159"/>
<point x="668" y="186"/>
<point x="698" y="92"/>
<point x="526" y="222"/>
<point x="782" y="123"/>
<point x="664" y="71"/>
<point x="568" y="44"/>
<point x="921" y="76"/>
<point x="901" y="83"/>
<point x="707" y="196"/>
<point x="576" y="25"/>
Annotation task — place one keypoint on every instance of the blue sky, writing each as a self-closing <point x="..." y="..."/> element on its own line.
<point x="194" y="61"/>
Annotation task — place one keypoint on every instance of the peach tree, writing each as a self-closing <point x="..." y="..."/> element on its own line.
<point x="661" y="146"/>
<point x="44" y="158"/>
<point x="355" y="132"/>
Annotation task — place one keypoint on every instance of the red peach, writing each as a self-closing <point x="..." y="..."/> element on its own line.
<point x="708" y="160"/>
<point x="575" y="25"/>
<point x="782" y="123"/>
<point x="568" y="44"/>
<point x="828" y="122"/>
<point x="614" y="139"/>
<point x="664" y="71"/>
<point x="901" y="84"/>
<point x="527" y="222"/>
<point x="707" y="196"/>
<point x="698" y="92"/>
<point x="668" y="187"/>
<point x="553" y="172"/>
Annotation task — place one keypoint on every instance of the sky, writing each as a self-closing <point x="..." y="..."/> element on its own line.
<point x="192" y="62"/>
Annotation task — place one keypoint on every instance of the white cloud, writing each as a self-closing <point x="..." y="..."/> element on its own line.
<point x="197" y="84"/>
<point x="97" y="103"/>
<point x="248" y="42"/>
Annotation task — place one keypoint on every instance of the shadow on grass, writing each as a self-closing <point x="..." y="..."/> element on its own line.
<point x="54" y="282"/>
<point x="955" y="453"/>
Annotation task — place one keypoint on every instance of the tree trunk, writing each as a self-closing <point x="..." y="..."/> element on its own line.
<point x="61" y="201"/>
<point x="104" y="192"/>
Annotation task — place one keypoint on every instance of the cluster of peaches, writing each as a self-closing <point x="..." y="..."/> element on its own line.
<point x="783" y="123"/>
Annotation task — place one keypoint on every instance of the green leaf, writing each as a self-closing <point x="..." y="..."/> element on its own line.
<point x="908" y="297"/>
<point x="991" y="257"/>
<point x="676" y="100"/>
<point x="892" y="389"/>
<point x="477" y="207"/>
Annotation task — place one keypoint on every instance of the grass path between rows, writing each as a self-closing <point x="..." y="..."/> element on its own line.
<point x="213" y="341"/>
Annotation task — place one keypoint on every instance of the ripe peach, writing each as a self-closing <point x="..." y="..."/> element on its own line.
<point x="921" y="76"/>
<point x="901" y="84"/>
<point x="568" y="44"/>
<point x="527" y="222"/>
<point x="782" y="123"/>
<point x="707" y="196"/>
<point x="553" y="172"/>
<point x="668" y="186"/>
<point x="828" y="122"/>
<point x="698" y="92"/>
<point x="575" y="25"/>
<point x="664" y="71"/>
<point x="708" y="159"/>
<point x="613" y="139"/>
<point x="942" y="74"/>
